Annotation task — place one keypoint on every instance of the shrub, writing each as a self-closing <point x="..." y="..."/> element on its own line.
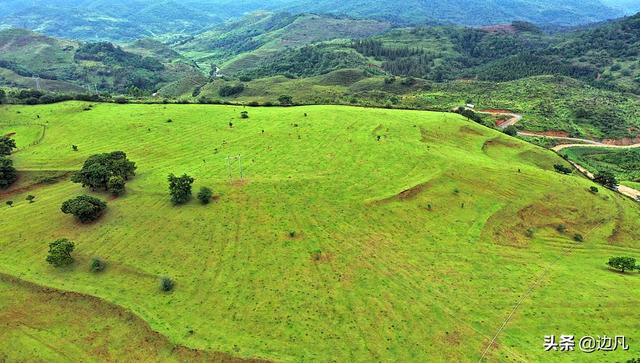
<point x="7" y="145"/>
<point x="116" y="185"/>
<point x="85" y="208"/>
<point x="167" y="284"/>
<point x="10" y="203"/>
<point x="231" y="90"/>
<point x="561" y="228"/>
<point x="285" y="100"/>
<point x="606" y="178"/>
<point x="244" y="114"/>
<point x="578" y="237"/>
<point x="530" y="233"/>
<point x="30" y="198"/>
<point x="97" y="265"/>
<point x="60" y="253"/>
<point x="594" y="190"/>
<point x="204" y="195"/>
<point x="120" y="100"/>
<point x="622" y="264"/>
<point x="8" y="174"/>
<point x="562" y="169"/>
<point x="292" y="234"/>
<point x="511" y="130"/>
<point x="180" y="188"/>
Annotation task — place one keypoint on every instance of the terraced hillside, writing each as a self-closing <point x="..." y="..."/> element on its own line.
<point x="357" y="235"/>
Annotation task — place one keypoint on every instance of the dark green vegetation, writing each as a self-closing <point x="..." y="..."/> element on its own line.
<point x="128" y="19"/>
<point x="85" y="208"/>
<point x="204" y="195"/>
<point x="623" y="264"/>
<point x="64" y="66"/>
<point x="622" y="164"/>
<point x="180" y="188"/>
<point x="60" y="253"/>
<point x="97" y="265"/>
<point x="7" y="145"/>
<point x="108" y="171"/>
<point x="8" y="174"/>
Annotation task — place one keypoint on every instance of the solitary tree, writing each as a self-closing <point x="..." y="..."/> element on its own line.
<point x="180" y="188"/>
<point x="85" y="208"/>
<point x="562" y="169"/>
<point x="606" y="178"/>
<point x="60" y="253"/>
<point x="622" y="264"/>
<point x="204" y="195"/>
<point x="7" y="145"/>
<point x="98" y="169"/>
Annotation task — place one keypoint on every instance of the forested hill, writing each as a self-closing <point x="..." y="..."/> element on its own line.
<point x="134" y="19"/>
<point x="69" y="66"/>
<point x="466" y="12"/>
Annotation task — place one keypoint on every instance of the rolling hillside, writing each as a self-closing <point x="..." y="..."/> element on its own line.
<point x="356" y="235"/>
<point x="128" y="20"/>
<point x="239" y="45"/>
<point x="67" y="66"/>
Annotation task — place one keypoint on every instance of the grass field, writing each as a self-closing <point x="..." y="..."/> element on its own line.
<point x="412" y="247"/>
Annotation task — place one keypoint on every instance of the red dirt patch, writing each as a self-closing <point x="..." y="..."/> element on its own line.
<point x="552" y="133"/>
<point x="626" y="141"/>
<point x="407" y="194"/>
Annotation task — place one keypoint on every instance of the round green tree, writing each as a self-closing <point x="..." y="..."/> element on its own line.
<point x="60" y="253"/>
<point x="85" y="208"/>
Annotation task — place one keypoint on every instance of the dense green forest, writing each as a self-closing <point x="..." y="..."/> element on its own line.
<point x="131" y="19"/>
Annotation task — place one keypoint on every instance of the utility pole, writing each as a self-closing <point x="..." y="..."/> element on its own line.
<point x="231" y="160"/>
<point x="36" y="78"/>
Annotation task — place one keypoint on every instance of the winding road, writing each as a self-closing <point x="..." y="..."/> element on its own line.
<point x="514" y="118"/>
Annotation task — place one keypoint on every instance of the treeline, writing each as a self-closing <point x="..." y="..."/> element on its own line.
<point x="521" y="66"/>
<point x="110" y="54"/>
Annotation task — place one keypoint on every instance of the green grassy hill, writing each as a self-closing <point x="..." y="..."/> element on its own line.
<point x="237" y="45"/>
<point x="416" y="234"/>
<point x="66" y="66"/>
<point x="548" y="103"/>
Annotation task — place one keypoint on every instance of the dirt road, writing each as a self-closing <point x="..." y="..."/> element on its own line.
<point x="514" y="118"/>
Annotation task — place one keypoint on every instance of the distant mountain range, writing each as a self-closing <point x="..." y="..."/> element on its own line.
<point x="134" y="19"/>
